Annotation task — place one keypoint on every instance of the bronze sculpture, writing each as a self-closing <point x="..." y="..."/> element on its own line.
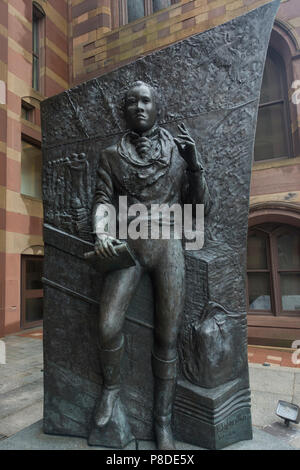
<point x="148" y="166"/>
<point x="217" y="99"/>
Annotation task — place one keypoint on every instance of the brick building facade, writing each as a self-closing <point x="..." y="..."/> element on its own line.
<point x="21" y="210"/>
<point x="51" y="45"/>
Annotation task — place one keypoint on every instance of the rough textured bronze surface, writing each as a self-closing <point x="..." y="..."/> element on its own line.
<point x="211" y="82"/>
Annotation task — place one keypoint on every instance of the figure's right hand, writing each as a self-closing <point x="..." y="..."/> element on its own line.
<point x="105" y="246"/>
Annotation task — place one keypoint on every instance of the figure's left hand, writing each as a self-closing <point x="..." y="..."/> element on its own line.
<point x="187" y="148"/>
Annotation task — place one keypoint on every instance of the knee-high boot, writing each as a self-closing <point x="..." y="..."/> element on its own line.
<point x="164" y="393"/>
<point x="111" y="364"/>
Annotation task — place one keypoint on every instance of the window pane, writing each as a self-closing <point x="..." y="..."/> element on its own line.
<point x="290" y="291"/>
<point x="271" y="139"/>
<point x="34" y="271"/>
<point x="271" y="86"/>
<point x="34" y="309"/>
<point x="136" y="9"/>
<point x="35" y="73"/>
<point x="24" y="113"/>
<point x="259" y="291"/>
<point x="31" y="170"/>
<point x="289" y="251"/>
<point x="257" y="252"/>
<point x="27" y="113"/>
<point x="160" y="4"/>
<point x="35" y="36"/>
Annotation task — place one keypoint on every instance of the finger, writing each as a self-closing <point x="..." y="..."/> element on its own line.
<point x="186" y="137"/>
<point x="180" y="142"/>
<point x="112" y="249"/>
<point x="182" y="127"/>
<point x="184" y="130"/>
<point x="106" y="249"/>
<point x="98" y="251"/>
<point x="118" y="242"/>
<point x="177" y="143"/>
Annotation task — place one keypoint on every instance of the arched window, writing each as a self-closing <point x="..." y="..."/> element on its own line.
<point x="273" y="134"/>
<point x="274" y="270"/>
<point x="37" y="44"/>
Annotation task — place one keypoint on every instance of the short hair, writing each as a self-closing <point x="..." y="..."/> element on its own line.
<point x="153" y="90"/>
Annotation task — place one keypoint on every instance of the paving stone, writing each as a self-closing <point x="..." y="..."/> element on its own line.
<point x="264" y="406"/>
<point x="20" y="398"/>
<point x="297" y="383"/>
<point x="295" y="443"/>
<point x="288" y="434"/>
<point x="19" y="420"/>
<point x="271" y="379"/>
<point x="296" y="399"/>
<point x="261" y="441"/>
<point x="19" y="380"/>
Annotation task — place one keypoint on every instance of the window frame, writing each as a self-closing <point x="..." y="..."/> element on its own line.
<point x="120" y="11"/>
<point x="38" y="16"/>
<point x="36" y="143"/>
<point x="29" y="112"/>
<point x="268" y="270"/>
<point x="273" y="265"/>
<point x="284" y="101"/>
<point x="28" y="293"/>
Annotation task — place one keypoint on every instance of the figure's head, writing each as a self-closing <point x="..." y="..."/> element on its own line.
<point x="140" y="107"/>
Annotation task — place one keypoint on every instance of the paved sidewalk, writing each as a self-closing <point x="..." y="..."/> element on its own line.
<point x="21" y="396"/>
<point x="21" y="383"/>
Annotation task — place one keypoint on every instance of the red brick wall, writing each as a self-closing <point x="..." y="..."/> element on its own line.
<point x="21" y="217"/>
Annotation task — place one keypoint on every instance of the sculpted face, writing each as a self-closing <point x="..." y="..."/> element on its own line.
<point x="140" y="108"/>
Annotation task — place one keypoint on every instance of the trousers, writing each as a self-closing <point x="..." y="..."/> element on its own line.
<point x="164" y="261"/>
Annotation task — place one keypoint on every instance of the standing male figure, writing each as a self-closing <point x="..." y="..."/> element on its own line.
<point x="148" y="166"/>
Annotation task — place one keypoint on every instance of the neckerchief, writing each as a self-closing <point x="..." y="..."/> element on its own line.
<point x="144" y="170"/>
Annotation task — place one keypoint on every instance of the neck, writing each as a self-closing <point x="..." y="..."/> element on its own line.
<point x="149" y="133"/>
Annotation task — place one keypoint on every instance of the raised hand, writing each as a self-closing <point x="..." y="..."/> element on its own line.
<point x="187" y="148"/>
